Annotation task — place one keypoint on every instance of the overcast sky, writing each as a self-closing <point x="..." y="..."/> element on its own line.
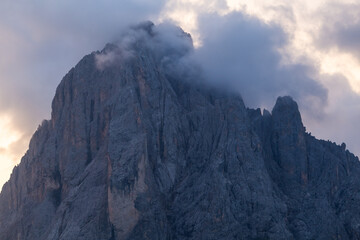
<point x="307" y="49"/>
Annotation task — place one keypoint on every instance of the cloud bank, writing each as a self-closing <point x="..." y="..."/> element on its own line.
<point x="242" y="52"/>
<point x="321" y="44"/>
<point x="238" y="52"/>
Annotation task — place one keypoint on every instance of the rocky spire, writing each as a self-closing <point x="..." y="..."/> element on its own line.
<point x="289" y="145"/>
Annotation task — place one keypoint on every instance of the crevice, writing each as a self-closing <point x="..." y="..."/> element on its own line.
<point x="57" y="193"/>
<point x="89" y="154"/>
<point x="62" y="227"/>
<point x="161" y="129"/>
<point x="88" y="151"/>
<point x="71" y="91"/>
<point x="112" y="233"/>
<point x="92" y="110"/>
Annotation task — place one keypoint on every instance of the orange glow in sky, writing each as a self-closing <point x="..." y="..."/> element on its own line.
<point x="8" y="136"/>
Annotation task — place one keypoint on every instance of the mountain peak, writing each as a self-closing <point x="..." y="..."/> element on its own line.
<point x="286" y="113"/>
<point x="286" y="104"/>
<point x="135" y="152"/>
<point x="147" y="26"/>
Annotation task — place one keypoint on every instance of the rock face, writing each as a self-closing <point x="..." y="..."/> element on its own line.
<point x="134" y="151"/>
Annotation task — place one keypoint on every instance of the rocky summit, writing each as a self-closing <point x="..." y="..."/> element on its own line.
<point x="138" y="148"/>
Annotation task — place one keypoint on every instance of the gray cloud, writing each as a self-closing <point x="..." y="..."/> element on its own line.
<point x="170" y="45"/>
<point x="238" y="53"/>
<point x="241" y="52"/>
<point x="340" y="28"/>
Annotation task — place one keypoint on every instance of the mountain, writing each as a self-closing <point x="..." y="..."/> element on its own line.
<point x="138" y="148"/>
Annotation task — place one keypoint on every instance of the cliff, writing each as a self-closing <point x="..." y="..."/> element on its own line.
<point x="134" y="150"/>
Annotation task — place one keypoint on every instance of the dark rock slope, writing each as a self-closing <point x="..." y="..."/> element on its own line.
<point x="134" y="152"/>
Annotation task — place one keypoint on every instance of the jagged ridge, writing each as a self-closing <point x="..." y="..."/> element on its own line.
<point x="133" y="151"/>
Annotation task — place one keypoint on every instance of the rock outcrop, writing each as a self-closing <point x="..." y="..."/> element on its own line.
<point x="134" y="151"/>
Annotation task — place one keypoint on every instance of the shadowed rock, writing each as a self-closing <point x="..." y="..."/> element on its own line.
<point x="133" y="151"/>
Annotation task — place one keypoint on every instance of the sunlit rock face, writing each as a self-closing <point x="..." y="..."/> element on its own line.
<point x="138" y="148"/>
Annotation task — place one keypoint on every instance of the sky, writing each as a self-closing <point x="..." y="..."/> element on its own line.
<point x="309" y="49"/>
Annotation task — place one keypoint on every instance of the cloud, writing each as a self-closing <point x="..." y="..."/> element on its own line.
<point x="341" y="28"/>
<point x="241" y="52"/>
<point x="109" y="57"/>
<point x="170" y="45"/>
<point x="238" y="52"/>
<point x="320" y="44"/>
